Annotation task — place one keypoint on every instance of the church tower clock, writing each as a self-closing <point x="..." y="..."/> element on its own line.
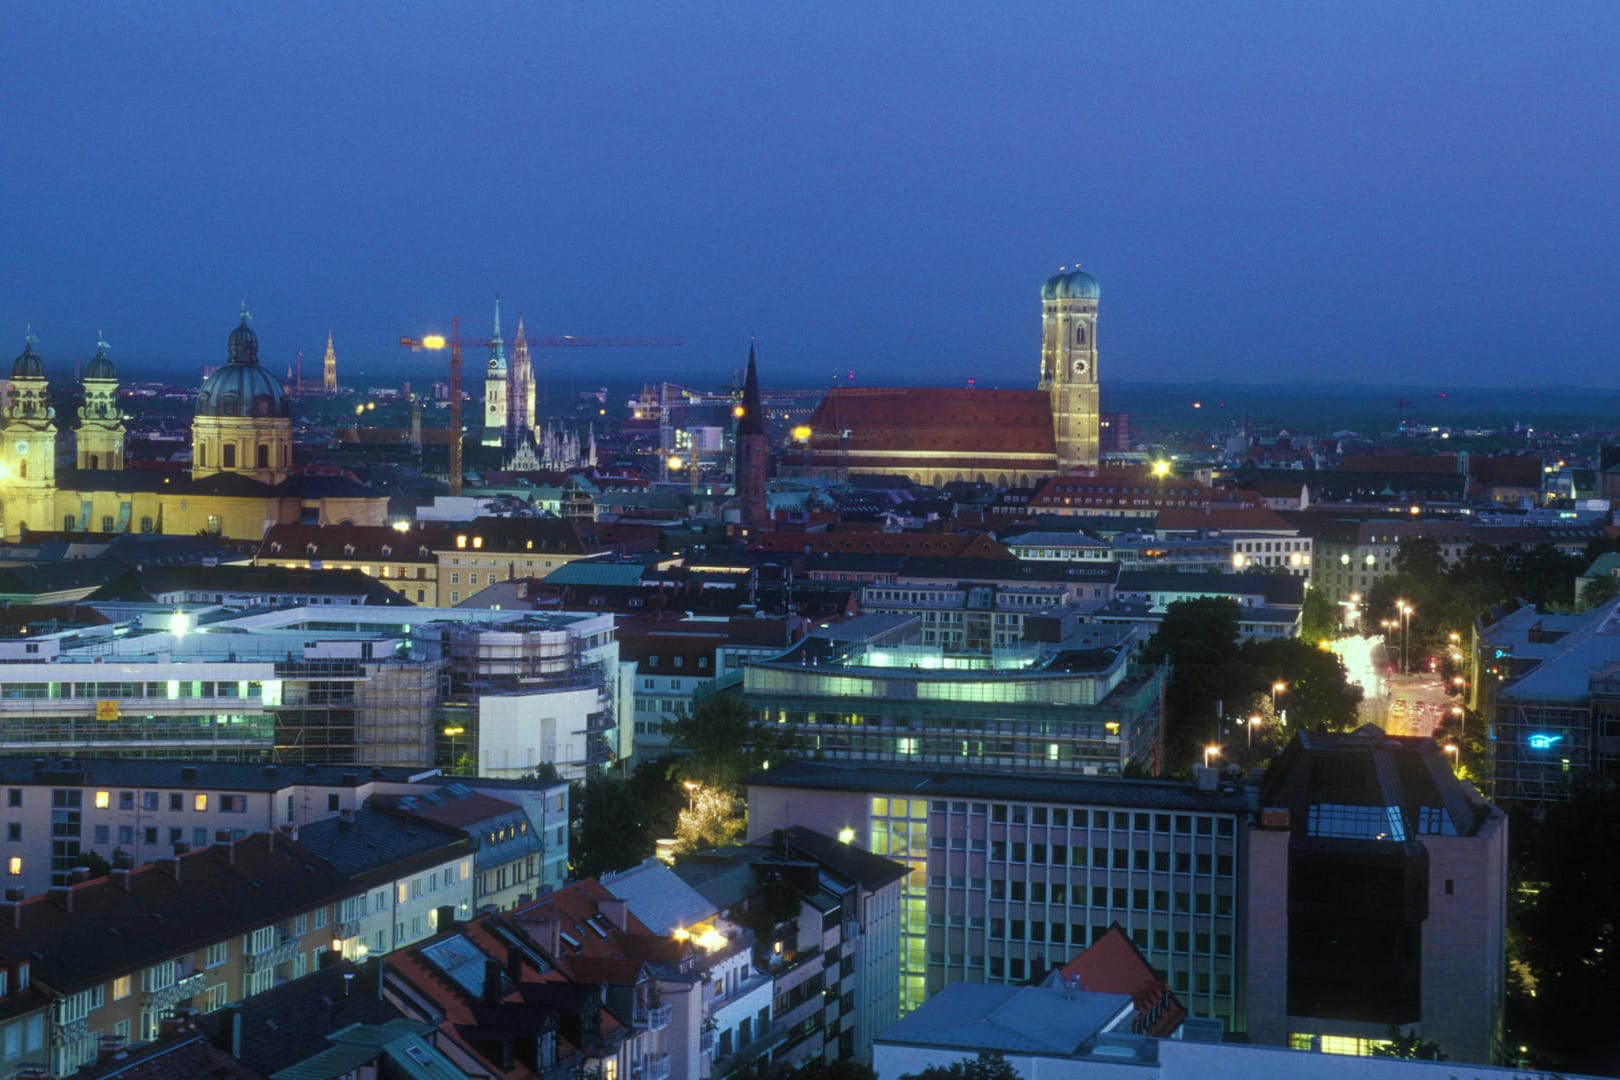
<point x="1069" y="365"/>
<point x="28" y="448"/>
<point x="495" y="377"/>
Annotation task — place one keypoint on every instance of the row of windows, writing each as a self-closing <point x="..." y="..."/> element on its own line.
<point x="70" y="798"/>
<point x="1179" y="901"/>
<point x="1099" y="858"/>
<point x="1015" y="931"/>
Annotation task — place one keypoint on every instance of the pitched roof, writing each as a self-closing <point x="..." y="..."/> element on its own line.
<point x="290" y="1023"/>
<point x="1112" y="964"/>
<point x="967" y="422"/>
<point x="167" y="909"/>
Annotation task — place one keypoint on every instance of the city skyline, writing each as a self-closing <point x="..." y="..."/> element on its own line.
<point x="1356" y="195"/>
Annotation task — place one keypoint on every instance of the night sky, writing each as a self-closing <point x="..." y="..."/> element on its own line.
<point x="1411" y="193"/>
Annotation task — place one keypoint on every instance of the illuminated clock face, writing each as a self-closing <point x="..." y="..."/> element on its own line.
<point x="22" y="449"/>
<point x="1081" y="367"/>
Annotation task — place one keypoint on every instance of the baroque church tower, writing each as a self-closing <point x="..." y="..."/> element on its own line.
<point x="100" y="439"/>
<point x="1069" y="366"/>
<point x="28" y="448"/>
<point x="495" y="386"/>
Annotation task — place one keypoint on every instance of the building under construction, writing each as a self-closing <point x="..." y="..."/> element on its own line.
<point x="486" y="692"/>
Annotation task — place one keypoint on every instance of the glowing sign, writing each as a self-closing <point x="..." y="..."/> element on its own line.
<point x="1544" y="742"/>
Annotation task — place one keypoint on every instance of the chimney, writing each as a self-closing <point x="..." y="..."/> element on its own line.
<point x="181" y="848"/>
<point x="78" y="875"/>
<point x="233" y="1028"/>
<point x="12" y="908"/>
<point x="446" y="918"/>
<point x="514" y="964"/>
<point x="346" y="817"/>
<point x="348" y="982"/>
<point x="122" y="860"/>
<point x="615" y="909"/>
<point x="63" y="895"/>
<point x="492" y="981"/>
<point x="168" y="866"/>
<point x="120" y="877"/>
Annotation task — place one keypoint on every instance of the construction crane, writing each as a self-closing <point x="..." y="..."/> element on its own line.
<point x="456" y="342"/>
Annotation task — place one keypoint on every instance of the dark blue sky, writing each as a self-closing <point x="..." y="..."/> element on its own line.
<point x="1417" y="193"/>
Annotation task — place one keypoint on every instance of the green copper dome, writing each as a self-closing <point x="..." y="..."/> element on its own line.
<point x="242" y="387"/>
<point x="1075" y="284"/>
<point x="101" y="365"/>
<point x="28" y="365"/>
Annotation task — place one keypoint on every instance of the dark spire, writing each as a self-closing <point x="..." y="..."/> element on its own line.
<point x="752" y="419"/>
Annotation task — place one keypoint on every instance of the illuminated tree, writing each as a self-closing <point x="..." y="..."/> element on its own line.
<point x="710" y="820"/>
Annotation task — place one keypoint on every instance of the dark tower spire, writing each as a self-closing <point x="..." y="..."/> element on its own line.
<point x="752" y="450"/>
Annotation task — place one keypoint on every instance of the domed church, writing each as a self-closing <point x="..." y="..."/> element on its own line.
<point x="242" y="482"/>
<point x="1003" y="437"/>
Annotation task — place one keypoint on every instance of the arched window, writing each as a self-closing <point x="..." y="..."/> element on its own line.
<point x="1080" y="334"/>
<point x="264" y="456"/>
<point x="228" y="456"/>
<point x="202" y="454"/>
<point x="95" y="462"/>
<point x="22" y="470"/>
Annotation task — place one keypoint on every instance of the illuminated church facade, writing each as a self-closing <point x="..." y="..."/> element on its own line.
<point x="1004" y="437"/>
<point x="242" y="479"/>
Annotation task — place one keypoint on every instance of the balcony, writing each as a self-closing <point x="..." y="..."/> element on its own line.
<point x="652" y="1067"/>
<point x="280" y="953"/>
<point x="168" y="997"/>
<point x="344" y="929"/>
<point x="651" y="1017"/>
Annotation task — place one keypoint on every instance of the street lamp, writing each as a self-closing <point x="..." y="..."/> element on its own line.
<point x="1209" y="752"/>
<point x="1254" y="722"/>
<point x="1462" y="717"/>
<point x="1456" y="759"/>
<point x="1276" y="688"/>
<point x="1406" y="611"/>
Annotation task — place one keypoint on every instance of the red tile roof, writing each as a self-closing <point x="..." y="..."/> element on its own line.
<point x="1112" y="965"/>
<point x="950" y="421"/>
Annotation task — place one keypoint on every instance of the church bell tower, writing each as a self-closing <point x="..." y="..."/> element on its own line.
<point x="1069" y="365"/>
<point x="495" y="386"/>
<point x="99" y="443"/>
<point x="28" y="448"/>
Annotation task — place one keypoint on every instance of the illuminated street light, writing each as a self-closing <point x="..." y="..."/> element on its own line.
<point x="1209" y="752"/>
<point x="1254" y="722"/>
<point x="1456" y="757"/>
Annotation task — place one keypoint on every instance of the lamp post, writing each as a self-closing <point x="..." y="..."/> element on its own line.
<point x="1406" y="611"/>
<point x="1209" y="752"/>
<point x="1456" y="758"/>
<point x="1254" y="722"/>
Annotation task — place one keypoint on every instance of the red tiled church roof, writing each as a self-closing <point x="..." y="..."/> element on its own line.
<point x="944" y="421"/>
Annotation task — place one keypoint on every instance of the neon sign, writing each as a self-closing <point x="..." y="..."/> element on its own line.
<point x="1544" y="742"/>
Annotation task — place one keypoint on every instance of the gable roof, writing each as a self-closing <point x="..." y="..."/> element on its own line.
<point x="1112" y="964"/>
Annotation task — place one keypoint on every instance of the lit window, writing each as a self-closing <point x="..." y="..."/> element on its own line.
<point x="121" y="987"/>
<point x="103" y="799"/>
<point x="199" y="802"/>
<point x="14" y="865"/>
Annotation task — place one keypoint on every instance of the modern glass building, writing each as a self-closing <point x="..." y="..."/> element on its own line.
<point x="1083" y="705"/>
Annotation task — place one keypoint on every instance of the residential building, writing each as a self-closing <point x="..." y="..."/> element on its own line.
<point x="406" y="873"/>
<point x="57" y="812"/>
<point x="506" y="847"/>
<point x="118" y="954"/>
<point x="1269" y="605"/>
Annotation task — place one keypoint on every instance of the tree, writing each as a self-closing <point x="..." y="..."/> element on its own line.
<point x="1316" y="693"/>
<point x="710" y="819"/>
<point x="612" y="833"/>
<point x="1408" y="1046"/>
<point x="724" y="743"/>
<point x="1198" y="639"/>
<point x="1572" y="931"/>
<point x="987" y="1066"/>
<point x="1319" y="618"/>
